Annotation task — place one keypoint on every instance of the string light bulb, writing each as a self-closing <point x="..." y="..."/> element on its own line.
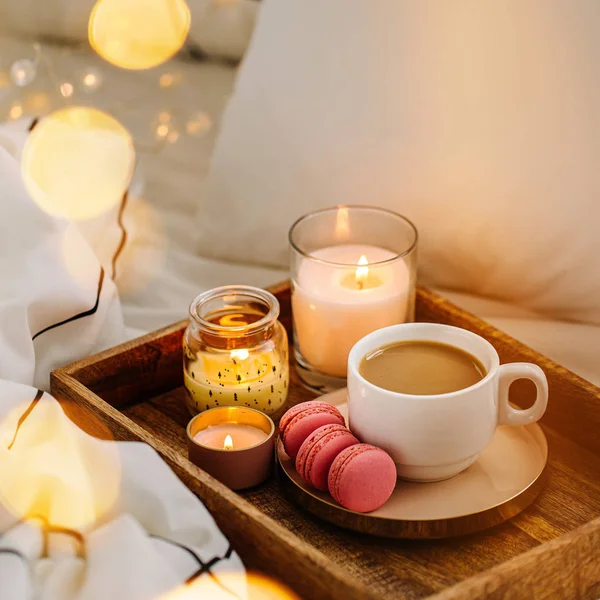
<point x="23" y="72"/>
<point x="162" y="131"/>
<point x="15" y="111"/>
<point x="166" y="127"/>
<point x="66" y="89"/>
<point x="167" y="80"/>
<point x="138" y="34"/>
<point x="91" y="80"/>
<point x="78" y="162"/>
<point x="198" y="124"/>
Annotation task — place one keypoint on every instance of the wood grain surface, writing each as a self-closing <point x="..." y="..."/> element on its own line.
<point x="551" y="550"/>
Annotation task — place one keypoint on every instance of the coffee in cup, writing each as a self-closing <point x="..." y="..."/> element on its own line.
<point x="421" y="367"/>
<point x="433" y="434"/>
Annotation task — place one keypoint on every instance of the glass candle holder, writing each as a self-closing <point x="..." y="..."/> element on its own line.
<point x="353" y="271"/>
<point x="235" y="351"/>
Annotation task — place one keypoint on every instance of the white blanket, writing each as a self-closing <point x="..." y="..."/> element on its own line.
<point x="80" y="518"/>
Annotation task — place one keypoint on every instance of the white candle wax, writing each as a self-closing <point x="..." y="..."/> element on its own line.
<point x="240" y="436"/>
<point x="335" y="306"/>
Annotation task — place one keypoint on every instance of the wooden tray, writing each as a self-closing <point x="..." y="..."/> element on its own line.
<point x="551" y="550"/>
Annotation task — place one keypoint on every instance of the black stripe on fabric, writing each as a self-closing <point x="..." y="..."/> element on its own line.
<point x="47" y="529"/>
<point x="222" y="585"/>
<point x="86" y="313"/>
<point x="33" y="124"/>
<point x="77" y="535"/>
<point x="204" y="567"/>
<point x="24" y="416"/>
<point x="123" y="235"/>
<point x="14" y="553"/>
<point x="182" y="546"/>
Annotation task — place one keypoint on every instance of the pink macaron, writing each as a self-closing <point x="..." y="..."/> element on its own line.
<point x="362" y="478"/>
<point x="318" y="452"/>
<point x="301" y="420"/>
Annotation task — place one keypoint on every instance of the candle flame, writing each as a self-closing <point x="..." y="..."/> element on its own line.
<point x="241" y="354"/>
<point x="362" y="271"/>
<point x="228" y="443"/>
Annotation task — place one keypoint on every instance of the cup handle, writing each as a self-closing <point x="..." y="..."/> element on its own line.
<point x="507" y="415"/>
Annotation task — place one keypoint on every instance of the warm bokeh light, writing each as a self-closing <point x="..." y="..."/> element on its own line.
<point x="91" y="81"/>
<point x="66" y="89"/>
<point x="162" y="131"/>
<point x="165" y="128"/>
<point x="138" y="34"/>
<point x="230" y="585"/>
<point x="23" y="72"/>
<point x="54" y="471"/>
<point x="78" y="162"/>
<point x="168" y="80"/>
<point x="15" y="111"/>
<point x="199" y="124"/>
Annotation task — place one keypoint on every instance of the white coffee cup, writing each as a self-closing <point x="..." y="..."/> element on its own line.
<point x="434" y="437"/>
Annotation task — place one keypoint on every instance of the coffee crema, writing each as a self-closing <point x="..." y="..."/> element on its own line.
<point x="421" y="367"/>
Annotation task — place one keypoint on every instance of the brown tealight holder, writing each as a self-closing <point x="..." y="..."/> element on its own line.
<point x="238" y="469"/>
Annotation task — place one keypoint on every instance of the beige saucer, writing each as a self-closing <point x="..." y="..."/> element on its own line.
<point x="505" y="480"/>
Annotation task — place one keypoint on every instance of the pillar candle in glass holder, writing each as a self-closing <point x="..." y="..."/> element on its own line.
<point x="353" y="271"/>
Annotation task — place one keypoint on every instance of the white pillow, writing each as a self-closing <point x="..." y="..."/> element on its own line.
<point x="479" y="121"/>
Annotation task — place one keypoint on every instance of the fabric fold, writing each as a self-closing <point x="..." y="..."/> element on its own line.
<point x="80" y="518"/>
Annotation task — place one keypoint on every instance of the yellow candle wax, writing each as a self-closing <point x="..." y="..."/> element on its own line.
<point x="238" y="378"/>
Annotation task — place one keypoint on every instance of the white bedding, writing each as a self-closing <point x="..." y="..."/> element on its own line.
<point x="161" y="273"/>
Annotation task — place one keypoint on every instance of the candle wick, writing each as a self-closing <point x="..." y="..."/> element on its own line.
<point x="360" y="284"/>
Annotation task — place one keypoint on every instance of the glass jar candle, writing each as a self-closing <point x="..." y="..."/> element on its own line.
<point x="235" y="351"/>
<point x="353" y="271"/>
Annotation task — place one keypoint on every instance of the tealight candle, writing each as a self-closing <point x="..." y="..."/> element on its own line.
<point x="230" y="436"/>
<point x="233" y="444"/>
<point x="353" y="271"/>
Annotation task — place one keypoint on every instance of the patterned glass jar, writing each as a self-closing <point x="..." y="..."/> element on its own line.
<point x="235" y="351"/>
